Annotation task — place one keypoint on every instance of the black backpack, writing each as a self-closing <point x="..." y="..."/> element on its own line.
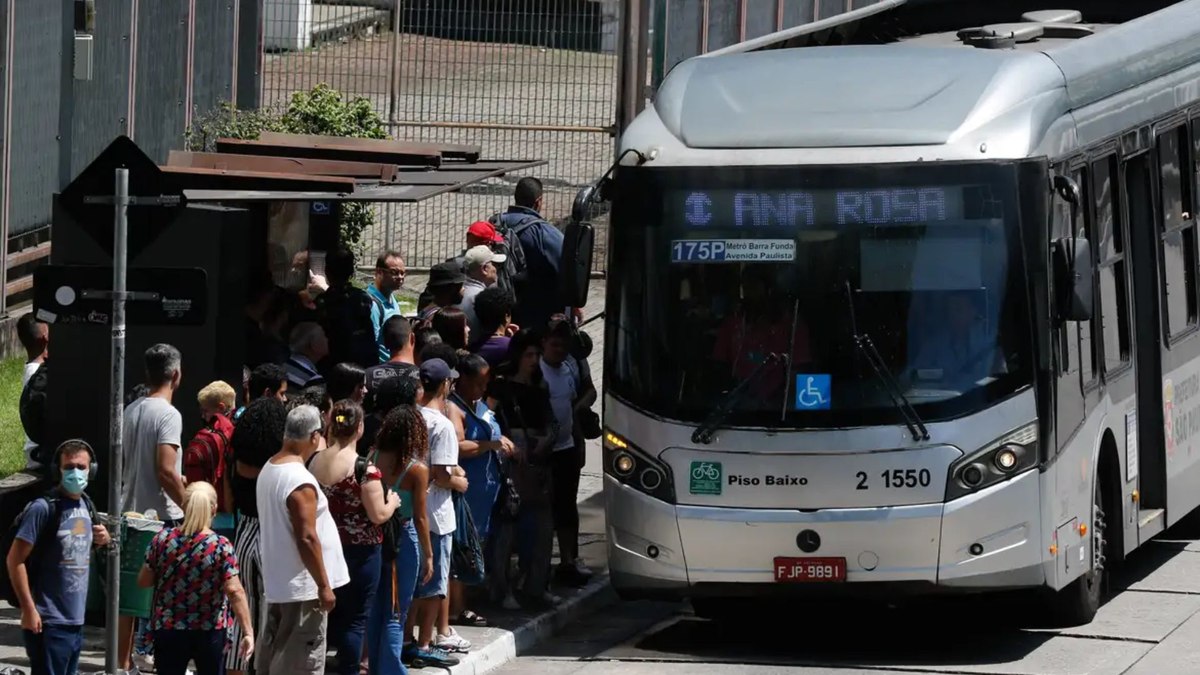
<point x="34" y="409"/>
<point x="346" y="318"/>
<point x="7" y="593"/>
<point x="510" y="226"/>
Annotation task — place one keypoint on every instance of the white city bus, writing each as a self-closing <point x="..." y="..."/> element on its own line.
<point x="906" y="300"/>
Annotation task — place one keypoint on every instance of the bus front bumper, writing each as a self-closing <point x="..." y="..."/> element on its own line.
<point x="989" y="540"/>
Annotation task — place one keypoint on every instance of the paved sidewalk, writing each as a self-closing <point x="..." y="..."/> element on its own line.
<point x="511" y="632"/>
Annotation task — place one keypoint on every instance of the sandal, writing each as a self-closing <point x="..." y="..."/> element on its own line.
<point x="469" y="618"/>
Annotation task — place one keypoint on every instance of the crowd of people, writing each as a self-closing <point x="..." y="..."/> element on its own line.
<point x="384" y="479"/>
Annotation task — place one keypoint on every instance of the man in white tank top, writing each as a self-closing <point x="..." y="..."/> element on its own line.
<point x="301" y="553"/>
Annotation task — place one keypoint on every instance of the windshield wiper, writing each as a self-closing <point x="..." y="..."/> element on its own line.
<point x="705" y="432"/>
<point x="864" y="344"/>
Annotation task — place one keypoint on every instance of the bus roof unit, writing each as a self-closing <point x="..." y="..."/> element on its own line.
<point x="923" y="73"/>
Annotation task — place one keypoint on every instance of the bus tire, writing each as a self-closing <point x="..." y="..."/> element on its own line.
<point x="1078" y="603"/>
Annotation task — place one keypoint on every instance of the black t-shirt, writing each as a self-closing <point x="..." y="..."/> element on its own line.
<point x="385" y="371"/>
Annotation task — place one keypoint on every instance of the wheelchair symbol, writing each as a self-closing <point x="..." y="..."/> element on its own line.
<point x="812" y="392"/>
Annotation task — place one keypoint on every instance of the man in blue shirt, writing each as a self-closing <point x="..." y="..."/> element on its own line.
<point x="540" y="296"/>
<point x="49" y="561"/>
<point x="389" y="277"/>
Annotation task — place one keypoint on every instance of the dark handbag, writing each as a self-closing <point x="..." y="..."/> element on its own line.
<point x="466" y="555"/>
<point x="508" y="502"/>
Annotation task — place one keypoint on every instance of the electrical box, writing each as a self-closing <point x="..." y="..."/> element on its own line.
<point x="83" y="56"/>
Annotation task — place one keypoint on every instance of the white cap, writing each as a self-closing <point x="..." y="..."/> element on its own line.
<point x="478" y="256"/>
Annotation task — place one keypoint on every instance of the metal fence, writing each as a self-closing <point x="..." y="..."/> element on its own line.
<point x="524" y="79"/>
<point x="682" y="29"/>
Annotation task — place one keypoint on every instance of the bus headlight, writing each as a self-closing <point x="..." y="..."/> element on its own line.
<point x="623" y="464"/>
<point x="996" y="462"/>
<point x="634" y="467"/>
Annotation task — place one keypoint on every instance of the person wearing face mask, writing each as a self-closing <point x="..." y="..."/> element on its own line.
<point x="49" y="560"/>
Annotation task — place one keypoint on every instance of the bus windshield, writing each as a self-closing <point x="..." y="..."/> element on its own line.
<point x="765" y="276"/>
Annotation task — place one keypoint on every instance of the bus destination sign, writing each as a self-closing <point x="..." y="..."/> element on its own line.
<point x="799" y="209"/>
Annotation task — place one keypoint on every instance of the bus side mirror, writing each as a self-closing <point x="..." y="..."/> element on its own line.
<point x="1073" y="279"/>
<point x="579" y="242"/>
<point x="580" y="209"/>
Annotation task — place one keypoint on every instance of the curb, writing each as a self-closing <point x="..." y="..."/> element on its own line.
<point x="504" y="646"/>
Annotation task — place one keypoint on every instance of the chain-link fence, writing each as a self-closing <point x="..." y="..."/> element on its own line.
<point x="524" y="79"/>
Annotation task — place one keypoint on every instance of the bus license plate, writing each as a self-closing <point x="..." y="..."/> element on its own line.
<point x="810" y="569"/>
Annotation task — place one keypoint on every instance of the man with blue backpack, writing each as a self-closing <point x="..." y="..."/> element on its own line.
<point x="48" y="555"/>
<point x="534" y="254"/>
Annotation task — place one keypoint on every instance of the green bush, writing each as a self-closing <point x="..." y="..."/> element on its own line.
<point x="321" y="111"/>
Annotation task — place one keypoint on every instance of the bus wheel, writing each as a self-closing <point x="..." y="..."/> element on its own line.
<point x="1078" y="603"/>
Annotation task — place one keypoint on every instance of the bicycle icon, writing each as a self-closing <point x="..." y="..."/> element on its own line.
<point x="705" y="471"/>
<point x="812" y="392"/>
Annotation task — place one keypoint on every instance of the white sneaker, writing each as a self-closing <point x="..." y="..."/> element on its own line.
<point x="452" y="642"/>
<point x="143" y="663"/>
<point x="582" y="569"/>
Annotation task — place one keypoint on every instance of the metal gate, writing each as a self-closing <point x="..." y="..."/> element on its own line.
<point x="524" y="79"/>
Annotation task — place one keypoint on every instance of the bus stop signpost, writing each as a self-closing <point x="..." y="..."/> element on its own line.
<point x="121" y="202"/>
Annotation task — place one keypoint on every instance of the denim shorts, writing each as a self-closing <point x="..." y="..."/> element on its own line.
<point x="438" y="583"/>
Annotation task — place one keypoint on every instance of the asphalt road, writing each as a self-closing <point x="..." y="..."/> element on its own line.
<point x="1150" y="625"/>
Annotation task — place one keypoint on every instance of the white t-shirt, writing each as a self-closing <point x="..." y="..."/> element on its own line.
<point x="443" y="451"/>
<point x="285" y="578"/>
<point x="149" y="423"/>
<point x="563" y="390"/>
<point x="30" y="446"/>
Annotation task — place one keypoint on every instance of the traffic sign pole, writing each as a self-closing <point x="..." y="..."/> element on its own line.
<point x="117" y="416"/>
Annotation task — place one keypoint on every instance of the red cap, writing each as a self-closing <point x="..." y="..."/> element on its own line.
<point x="484" y="230"/>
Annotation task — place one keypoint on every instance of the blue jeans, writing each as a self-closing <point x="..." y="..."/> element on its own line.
<point x="385" y="629"/>
<point x="348" y="621"/>
<point x="54" y="651"/>
<point x="174" y="648"/>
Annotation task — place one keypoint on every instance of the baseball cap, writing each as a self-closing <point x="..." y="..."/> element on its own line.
<point x="481" y="255"/>
<point x="484" y="230"/>
<point x="437" y="370"/>
<point x="446" y="274"/>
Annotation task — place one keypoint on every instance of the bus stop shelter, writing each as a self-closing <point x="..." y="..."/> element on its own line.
<point x="202" y="229"/>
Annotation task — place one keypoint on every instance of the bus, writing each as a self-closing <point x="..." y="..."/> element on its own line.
<point x="905" y="301"/>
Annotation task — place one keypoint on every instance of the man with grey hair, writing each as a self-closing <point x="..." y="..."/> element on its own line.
<point x="153" y="475"/>
<point x="482" y="266"/>
<point x="301" y="553"/>
<point x="309" y="346"/>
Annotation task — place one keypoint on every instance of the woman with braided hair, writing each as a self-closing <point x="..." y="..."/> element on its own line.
<point x="407" y="555"/>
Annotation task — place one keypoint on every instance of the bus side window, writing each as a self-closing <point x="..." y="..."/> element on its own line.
<point x="1110" y="250"/>
<point x="1068" y="332"/>
<point x="1177" y="229"/>
<point x="1087" y="330"/>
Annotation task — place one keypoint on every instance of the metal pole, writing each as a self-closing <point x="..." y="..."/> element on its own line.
<point x="394" y="71"/>
<point x="116" y="412"/>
